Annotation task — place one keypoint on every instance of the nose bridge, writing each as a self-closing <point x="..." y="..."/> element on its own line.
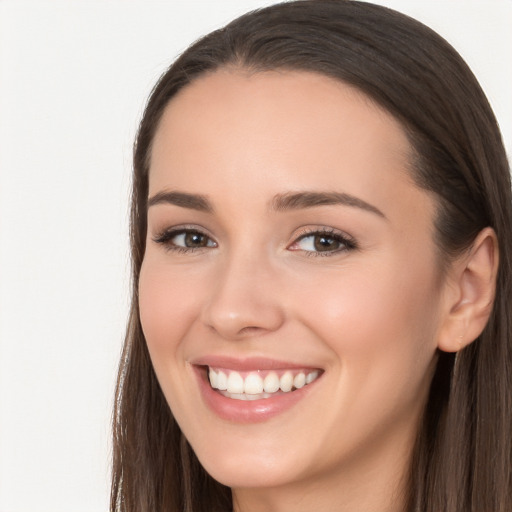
<point x="244" y="299"/>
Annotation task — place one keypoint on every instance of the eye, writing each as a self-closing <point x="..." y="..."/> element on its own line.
<point x="184" y="240"/>
<point x="191" y="240"/>
<point x="326" y="242"/>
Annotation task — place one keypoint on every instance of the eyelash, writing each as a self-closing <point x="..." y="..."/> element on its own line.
<point x="166" y="236"/>
<point x="347" y="242"/>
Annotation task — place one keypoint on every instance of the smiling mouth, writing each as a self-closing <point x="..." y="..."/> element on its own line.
<point x="259" y="384"/>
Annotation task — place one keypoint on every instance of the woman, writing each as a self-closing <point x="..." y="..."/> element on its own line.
<point x="321" y="221"/>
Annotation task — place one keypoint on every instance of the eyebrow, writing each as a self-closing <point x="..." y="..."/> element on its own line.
<point x="300" y="200"/>
<point x="183" y="199"/>
<point x="280" y="202"/>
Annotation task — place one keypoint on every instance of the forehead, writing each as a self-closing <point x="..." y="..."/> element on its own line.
<point x="233" y="130"/>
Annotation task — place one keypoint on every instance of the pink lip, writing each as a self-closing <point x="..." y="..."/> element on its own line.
<point x="247" y="364"/>
<point x="241" y="411"/>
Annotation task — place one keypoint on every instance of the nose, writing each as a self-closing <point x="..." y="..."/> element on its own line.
<point x="245" y="299"/>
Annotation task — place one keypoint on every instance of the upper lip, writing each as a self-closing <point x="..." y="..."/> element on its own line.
<point x="247" y="364"/>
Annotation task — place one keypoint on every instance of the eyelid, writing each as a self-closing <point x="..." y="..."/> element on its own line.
<point x="165" y="236"/>
<point x="349" y="243"/>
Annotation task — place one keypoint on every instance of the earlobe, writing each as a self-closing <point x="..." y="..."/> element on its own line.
<point x="471" y="293"/>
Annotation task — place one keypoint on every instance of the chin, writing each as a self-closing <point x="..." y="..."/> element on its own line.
<point x="255" y="469"/>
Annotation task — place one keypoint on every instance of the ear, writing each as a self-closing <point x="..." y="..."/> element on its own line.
<point x="471" y="287"/>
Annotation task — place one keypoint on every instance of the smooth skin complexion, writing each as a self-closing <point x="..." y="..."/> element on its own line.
<point x="285" y="231"/>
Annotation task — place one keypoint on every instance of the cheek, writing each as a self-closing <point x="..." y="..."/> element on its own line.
<point x="379" y="321"/>
<point x="168" y="304"/>
<point x="380" y="328"/>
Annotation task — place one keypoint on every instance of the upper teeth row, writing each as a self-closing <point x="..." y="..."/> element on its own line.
<point x="254" y="384"/>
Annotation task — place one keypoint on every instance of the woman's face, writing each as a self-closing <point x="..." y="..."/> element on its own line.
<point x="289" y="249"/>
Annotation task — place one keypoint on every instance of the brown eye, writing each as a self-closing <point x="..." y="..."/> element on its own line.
<point x="326" y="243"/>
<point x="193" y="239"/>
<point x="185" y="240"/>
<point x="323" y="242"/>
<point x="319" y="242"/>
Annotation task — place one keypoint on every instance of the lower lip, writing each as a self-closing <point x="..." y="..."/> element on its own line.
<point x="248" y="411"/>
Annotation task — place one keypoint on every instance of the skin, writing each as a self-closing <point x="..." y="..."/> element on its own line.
<point x="371" y="316"/>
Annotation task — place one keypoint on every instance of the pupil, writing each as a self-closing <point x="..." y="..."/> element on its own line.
<point x="194" y="240"/>
<point x="323" y="243"/>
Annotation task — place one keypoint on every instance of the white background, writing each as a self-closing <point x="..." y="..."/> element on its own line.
<point x="74" y="76"/>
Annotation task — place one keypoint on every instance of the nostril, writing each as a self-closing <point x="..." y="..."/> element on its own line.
<point x="251" y="330"/>
<point x="240" y="333"/>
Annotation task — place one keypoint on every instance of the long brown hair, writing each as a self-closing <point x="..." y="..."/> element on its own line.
<point x="463" y="456"/>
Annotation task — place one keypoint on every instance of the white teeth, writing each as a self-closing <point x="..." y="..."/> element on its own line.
<point x="311" y="377"/>
<point x="253" y="387"/>
<point x="222" y="381"/>
<point x="271" y="383"/>
<point x="299" y="380"/>
<point x="235" y="383"/>
<point x="253" y="384"/>
<point x="286" y="382"/>
<point x="214" y="379"/>
<point x="244" y="396"/>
